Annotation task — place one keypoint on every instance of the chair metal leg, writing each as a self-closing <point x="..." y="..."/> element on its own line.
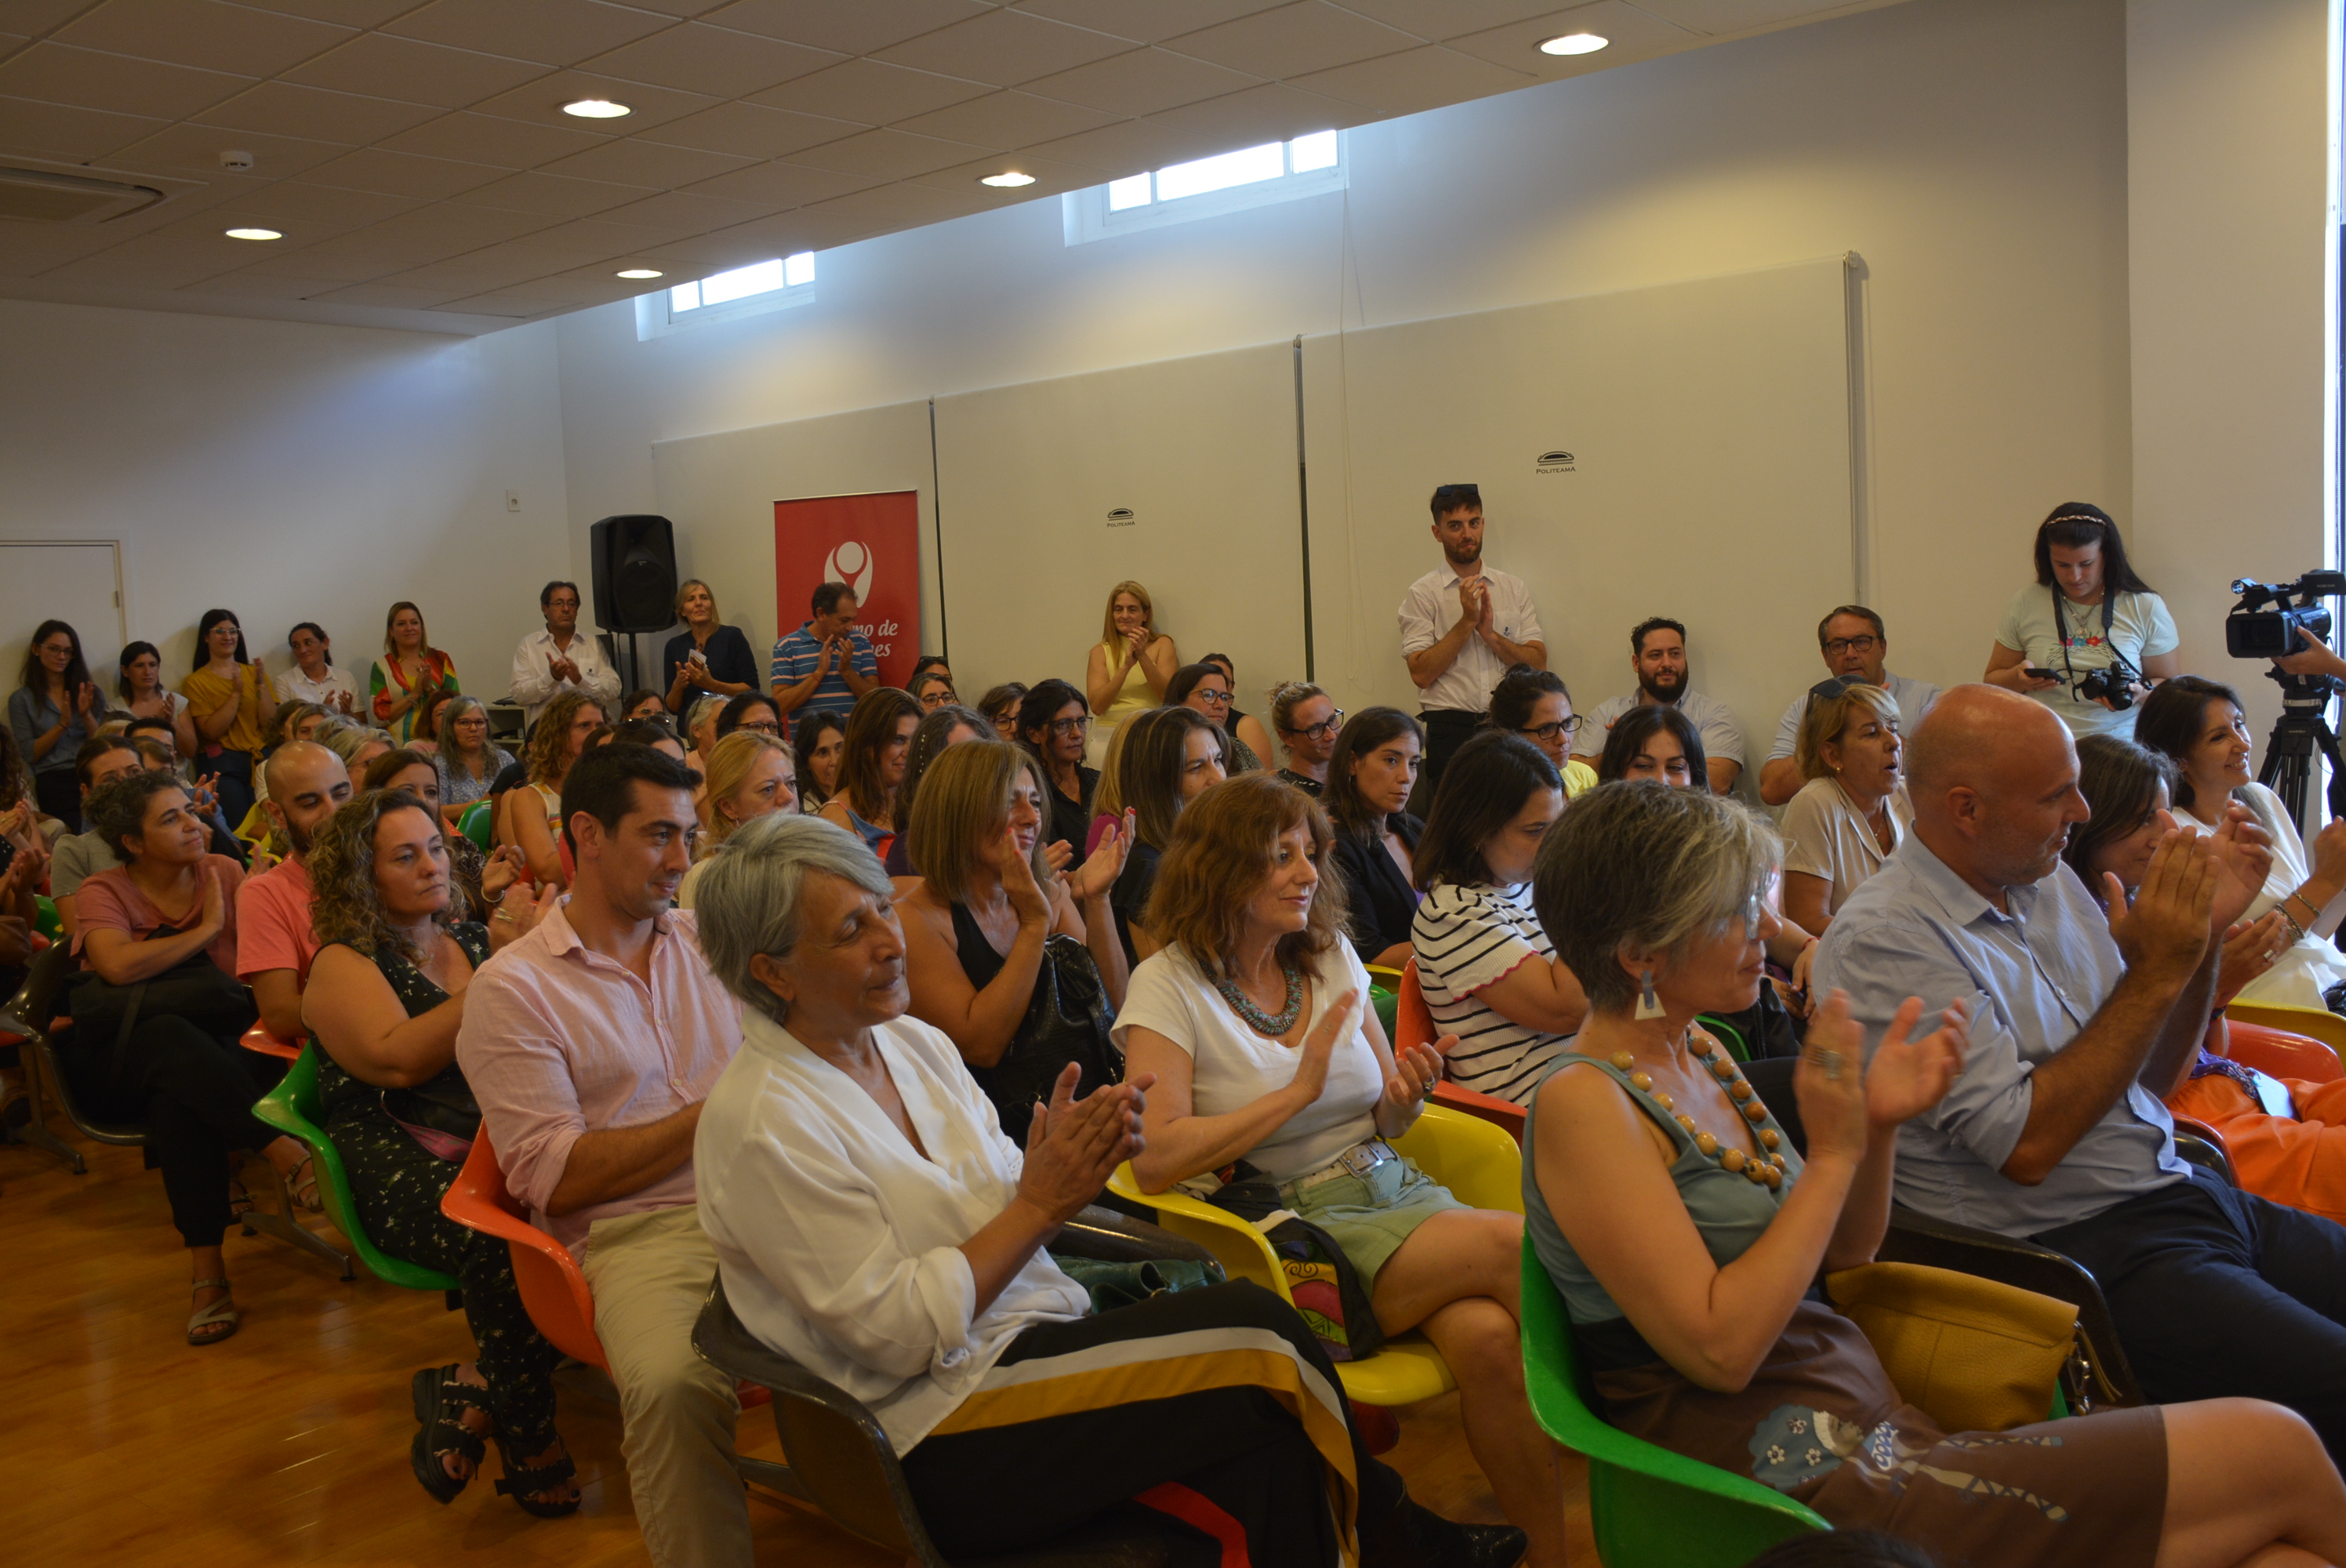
<point x="774" y="1478"/>
<point x="35" y="1133"/>
<point x="285" y="1228"/>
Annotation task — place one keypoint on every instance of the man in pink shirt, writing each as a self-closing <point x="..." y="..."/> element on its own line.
<point x="590" y="1044"/>
<point x="275" y="941"/>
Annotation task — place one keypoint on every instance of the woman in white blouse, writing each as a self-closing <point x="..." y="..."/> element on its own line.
<point x="2198" y="724"/>
<point x="1851" y="816"/>
<point x="1491" y="977"/>
<point x="1251" y="1026"/>
<point x="873" y="1223"/>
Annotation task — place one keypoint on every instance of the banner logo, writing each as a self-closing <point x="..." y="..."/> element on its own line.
<point x="1122" y="517"/>
<point x="850" y="562"/>
<point x="1556" y="460"/>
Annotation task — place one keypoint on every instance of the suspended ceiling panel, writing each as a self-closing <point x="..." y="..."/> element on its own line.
<point x="414" y="157"/>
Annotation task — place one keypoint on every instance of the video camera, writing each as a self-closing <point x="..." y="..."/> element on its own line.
<point x="2254" y="631"/>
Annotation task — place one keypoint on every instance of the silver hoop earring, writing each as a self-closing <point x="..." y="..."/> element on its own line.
<point x="1649" y="1006"/>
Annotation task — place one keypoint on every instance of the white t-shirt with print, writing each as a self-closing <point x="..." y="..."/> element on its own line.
<point x="2140" y="628"/>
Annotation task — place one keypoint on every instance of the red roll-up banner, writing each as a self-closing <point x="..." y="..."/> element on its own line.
<point x="871" y="543"/>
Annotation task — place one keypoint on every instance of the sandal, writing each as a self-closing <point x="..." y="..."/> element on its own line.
<point x="239" y="1201"/>
<point x="440" y="1403"/>
<point x="221" y="1311"/>
<point x="522" y="1482"/>
<point x="302" y="1186"/>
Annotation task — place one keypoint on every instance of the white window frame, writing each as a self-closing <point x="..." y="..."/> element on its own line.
<point x="1086" y="216"/>
<point x="656" y="317"/>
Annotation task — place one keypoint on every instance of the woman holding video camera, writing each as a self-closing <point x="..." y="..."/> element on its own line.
<point x="2090" y="638"/>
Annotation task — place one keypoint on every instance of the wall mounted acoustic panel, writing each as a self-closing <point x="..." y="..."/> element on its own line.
<point x="1680" y="451"/>
<point x="1180" y="475"/>
<point x="720" y="491"/>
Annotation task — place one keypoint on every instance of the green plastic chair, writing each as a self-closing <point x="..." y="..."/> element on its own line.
<point x="293" y="1109"/>
<point x="1650" y="1508"/>
<point x="475" y="823"/>
<point x="45" y="917"/>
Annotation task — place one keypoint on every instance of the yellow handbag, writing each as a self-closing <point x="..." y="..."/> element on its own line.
<point x="1973" y="1354"/>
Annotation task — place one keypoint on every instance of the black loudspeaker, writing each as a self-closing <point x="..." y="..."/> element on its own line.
<point x="635" y="574"/>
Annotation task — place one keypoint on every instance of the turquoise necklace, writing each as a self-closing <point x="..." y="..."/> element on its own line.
<point x="1270" y="1026"/>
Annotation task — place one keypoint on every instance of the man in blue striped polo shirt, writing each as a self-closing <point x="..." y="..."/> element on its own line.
<point x="825" y="664"/>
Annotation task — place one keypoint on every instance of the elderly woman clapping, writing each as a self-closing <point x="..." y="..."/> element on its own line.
<point x="872" y="1222"/>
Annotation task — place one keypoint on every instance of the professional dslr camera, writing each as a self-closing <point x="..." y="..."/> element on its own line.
<point x="2114" y="683"/>
<point x="2254" y="631"/>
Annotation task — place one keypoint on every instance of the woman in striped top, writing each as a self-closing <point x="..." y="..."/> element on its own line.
<point x="1489" y="973"/>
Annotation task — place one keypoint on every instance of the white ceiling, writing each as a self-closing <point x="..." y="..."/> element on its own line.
<point x="414" y="153"/>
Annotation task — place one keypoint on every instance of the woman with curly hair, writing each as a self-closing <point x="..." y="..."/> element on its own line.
<point x="533" y="816"/>
<point x="385" y="996"/>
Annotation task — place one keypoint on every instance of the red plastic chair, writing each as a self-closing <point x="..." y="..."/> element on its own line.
<point x="2283" y="1055"/>
<point x="1414" y="1026"/>
<point x="259" y="1038"/>
<point x="553" y="1290"/>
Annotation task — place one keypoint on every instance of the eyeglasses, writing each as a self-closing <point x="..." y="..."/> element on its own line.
<point x="1219" y="699"/>
<point x="1840" y="645"/>
<point x="763" y="727"/>
<point x="1550" y="732"/>
<point x="1324" y="729"/>
<point x="1070" y="726"/>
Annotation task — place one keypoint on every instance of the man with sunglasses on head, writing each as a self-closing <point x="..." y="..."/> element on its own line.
<point x="1856" y="647"/>
<point x="1462" y="626"/>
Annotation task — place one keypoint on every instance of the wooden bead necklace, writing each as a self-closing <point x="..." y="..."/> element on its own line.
<point x="1762" y="1170"/>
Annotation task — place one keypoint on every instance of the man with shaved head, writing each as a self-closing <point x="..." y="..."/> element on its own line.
<point x="275" y="941"/>
<point x="2079" y="1023"/>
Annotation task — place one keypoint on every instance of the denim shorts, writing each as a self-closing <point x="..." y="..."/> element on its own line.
<point x="1370" y="1217"/>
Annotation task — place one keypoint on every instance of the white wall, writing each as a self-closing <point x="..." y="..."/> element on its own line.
<point x="2231" y="210"/>
<point x="1972" y="151"/>
<point x="290" y="472"/>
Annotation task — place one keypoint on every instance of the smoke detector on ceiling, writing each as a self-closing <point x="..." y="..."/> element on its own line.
<point x="236" y="162"/>
<point x="37" y="195"/>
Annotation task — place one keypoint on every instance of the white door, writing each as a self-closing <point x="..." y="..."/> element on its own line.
<point x="78" y="582"/>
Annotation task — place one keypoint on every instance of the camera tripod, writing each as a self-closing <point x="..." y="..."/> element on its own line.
<point x="2304" y="725"/>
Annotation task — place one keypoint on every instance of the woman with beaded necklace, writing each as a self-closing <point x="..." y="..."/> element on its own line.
<point x="1252" y="1019"/>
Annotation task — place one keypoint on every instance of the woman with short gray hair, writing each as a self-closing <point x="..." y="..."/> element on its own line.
<point x="872" y="1222"/>
<point x="1685" y="1234"/>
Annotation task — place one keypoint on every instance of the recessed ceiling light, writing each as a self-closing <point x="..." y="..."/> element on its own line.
<point x="1008" y="179"/>
<point x="1573" y="43"/>
<point x="253" y="234"/>
<point x="597" y="109"/>
<point x="639" y="272"/>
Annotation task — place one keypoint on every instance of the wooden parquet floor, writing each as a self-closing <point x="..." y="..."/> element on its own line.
<point x="288" y="1443"/>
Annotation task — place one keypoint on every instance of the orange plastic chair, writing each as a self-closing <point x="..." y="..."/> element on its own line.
<point x="2283" y="1055"/>
<point x="553" y="1290"/>
<point x="259" y="1038"/>
<point x="1414" y="1026"/>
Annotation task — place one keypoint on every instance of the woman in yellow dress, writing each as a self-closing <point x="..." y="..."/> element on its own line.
<point x="1129" y="667"/>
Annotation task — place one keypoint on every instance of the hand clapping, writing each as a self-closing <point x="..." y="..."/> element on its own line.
<point x="1843" y="1098"/>
<point x="1073" y="1145"/>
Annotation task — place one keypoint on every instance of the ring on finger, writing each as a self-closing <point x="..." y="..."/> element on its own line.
<point x="1829" y="1061"/>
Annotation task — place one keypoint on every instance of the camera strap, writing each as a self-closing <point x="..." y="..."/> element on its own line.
<point x="2061" y="631"/>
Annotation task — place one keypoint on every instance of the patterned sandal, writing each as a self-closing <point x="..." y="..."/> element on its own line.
<point x="440" y="1403"/>
<point x="522" y="1482"/>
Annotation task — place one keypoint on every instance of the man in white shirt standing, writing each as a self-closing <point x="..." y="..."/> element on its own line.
<point x="1657" y="657"/>
<point x="1462" y="627"/>
<point x="560" y="659"/>
<point x="1855" y="646"/>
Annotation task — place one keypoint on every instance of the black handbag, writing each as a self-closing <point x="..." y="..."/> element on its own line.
<point x="195" y="988"/>
<point x="1327" y="1289"/>
<point x="442" y="1103"/>
<point x="1066" y="1020"/>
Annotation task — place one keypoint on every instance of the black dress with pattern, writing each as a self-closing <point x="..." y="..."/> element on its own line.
<point x="396" y="1185"/>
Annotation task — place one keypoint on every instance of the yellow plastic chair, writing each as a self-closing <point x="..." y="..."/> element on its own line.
<point x="1477" y="1162"/>
<point x="2318" y="1022"/>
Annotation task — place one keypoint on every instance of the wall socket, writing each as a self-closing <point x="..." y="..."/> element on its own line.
<point x="513" y="500"/>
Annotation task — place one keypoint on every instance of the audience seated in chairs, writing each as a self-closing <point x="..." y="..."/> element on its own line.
<point x="872" y="1222"/>
<point x="981" y="932"/>
<point x="1657" y="659"/>
<point x="750" y="773"/>
<point x="479" y="878"/>
<point x="1689" y="1280"/>
<point x="141" y="694"/>
<point x="180" y="1068"/>
<point x="1654" y="742"/>
<point x="1107" y="795"/>
<point x="751" y="710"/>
<point x="1536" y="705"/>
<point x="468" y="761"/>
<point x="2054" y="1131"/>
<point x="2198" y="725"/>
<point x="1856" y="647"/>
<point x="156" y="756"/>
<point x="275" y="938"/>
<point x="644" y="732"/>
<point x="933" y="689"/>
<point x="1052" y="724"/>
<point x="1498" y="994"/>
<point x="700" y="726"/>
<point x="644" y="703"/>
<point x="1205" y="687"/>
<point x="1168" y="758"/>
<point x="590" y="1045"/>
<point x="1850" y="815"/>
<point x="879" y="739"/>
<point x="1370" y="775"/>
<point x="1307" y="720"/>
<point x="818" y="744"/>
<point x="1253" y="1027"/>
<point x="389" y="980"/>
<point x="943" y="727"/>
<point x="74" y="858"/>
<point x="534" y="813"/>
<point x="356" y="744"/>
<point x="1242" y="727"/>
<point x="2286" y="1137"/>
<point x="1000" y="706"/>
